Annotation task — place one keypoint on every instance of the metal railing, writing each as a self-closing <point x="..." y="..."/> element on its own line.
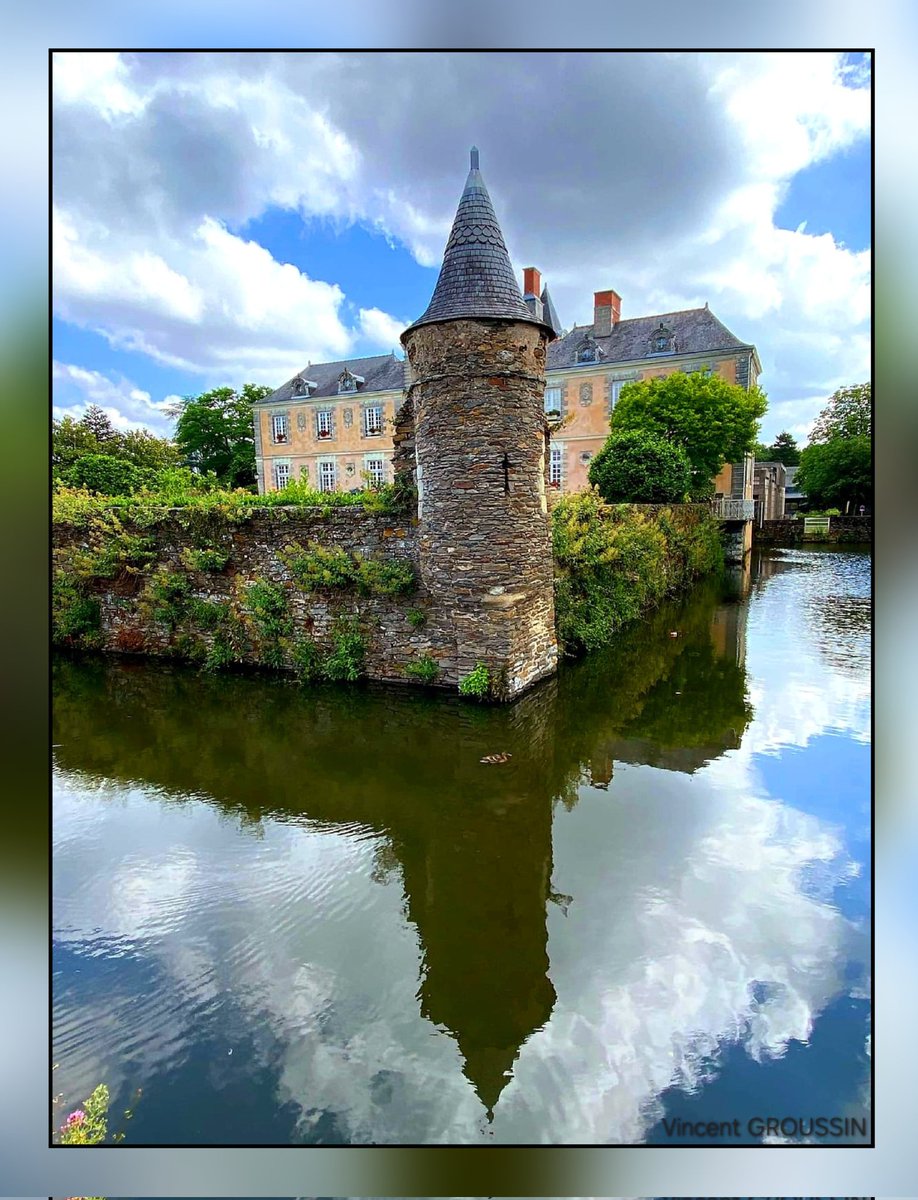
<point x="730" y="509"/>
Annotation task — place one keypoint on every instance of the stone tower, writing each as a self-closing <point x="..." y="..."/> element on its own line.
<point x="477" y="370"/>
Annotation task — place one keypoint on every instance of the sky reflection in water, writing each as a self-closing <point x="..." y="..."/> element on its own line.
<point x="295" y="916"/>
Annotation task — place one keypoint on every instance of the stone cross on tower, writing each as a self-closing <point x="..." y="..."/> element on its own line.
<point x="477" y="359"/>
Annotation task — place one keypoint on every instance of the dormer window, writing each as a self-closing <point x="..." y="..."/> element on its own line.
<point x="348" y="381"/>
<point x="662" y="341"/>
<point x="302" y="387"/>
<point x="586" y="354"/>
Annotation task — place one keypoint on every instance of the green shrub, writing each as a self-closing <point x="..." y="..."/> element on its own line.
<point x="613" y="562"/>
<point x="207" y="558"/>
<point x="208" y="614"/>
<point x="105" y="475"/>
<point x="477" y="683"/>
<point x="194" y="494"/>
<point x="425" y="669"/>
<point x="320" y="568"/>
<point x="307" y="660"/>
<point x="266" y="605"/>
<point x="75" y="617"/>
<point x="641" y="468"/>
<point x="316" y="568"/>
<point x="111" y="550"/>
<point x="167" y="596"/>
<point x="416" y="617"/>
<point x="385" y="577"/>
<point x="347" y="661"/>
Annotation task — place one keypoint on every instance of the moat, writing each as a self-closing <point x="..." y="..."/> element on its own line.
<point x="316" y="916"/>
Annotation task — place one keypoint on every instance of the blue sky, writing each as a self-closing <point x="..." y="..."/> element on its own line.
<point x="221" y="218"/>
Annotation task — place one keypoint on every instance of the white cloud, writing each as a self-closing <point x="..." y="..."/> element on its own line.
<point x="380" y="329"/>
<point x="668" y="193"/>
<point x="127" y="406"/>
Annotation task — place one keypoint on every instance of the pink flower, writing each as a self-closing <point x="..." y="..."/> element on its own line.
<point x="76" y="1117"/>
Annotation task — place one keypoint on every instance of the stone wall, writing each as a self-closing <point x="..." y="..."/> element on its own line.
<point x="789" y="531"/>
<point x="257" y="549"/>
<point x="484" y="537"/>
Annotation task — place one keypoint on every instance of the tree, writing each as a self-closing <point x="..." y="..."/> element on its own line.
<point x="106" y="474"/>
<point x="96" y="422"/>
<point x="145" y="449"/>
<point x="785" y="450"/>
<point x="641" y="468"/>
<point x="215" y="432"/>
<point x="714" y="421"/>
<point x="847" y="415"/>
<point x="70" y="440"/>
<point x="837" y="473"/>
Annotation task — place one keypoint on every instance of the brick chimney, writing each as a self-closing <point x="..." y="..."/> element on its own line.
<point x="607" y="312"/>
<point x="532" y="288"/>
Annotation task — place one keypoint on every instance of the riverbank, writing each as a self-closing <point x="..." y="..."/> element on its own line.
<point x="337" y="592"/>
<point x="791" y="531"/>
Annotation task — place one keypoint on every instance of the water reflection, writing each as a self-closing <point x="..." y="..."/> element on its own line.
<point x="321" y="881"/>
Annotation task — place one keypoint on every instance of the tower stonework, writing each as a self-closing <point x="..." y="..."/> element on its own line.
<point x="477" y="381"/>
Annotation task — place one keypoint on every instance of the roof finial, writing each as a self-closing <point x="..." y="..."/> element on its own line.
<point x="474" y="158"/>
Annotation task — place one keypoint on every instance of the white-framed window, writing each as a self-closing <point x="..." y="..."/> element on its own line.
<point x="375" y="469"/>
<point x="553" y="401"/>
<point x="555" y="466"/>
<point x="372" y="420"/>
<point x="617" y="385"/>
<point x="281" y="475"/>
<point x="328" y="476"/>
<point x="324" y="424"/>
<point x="279" y="429"/>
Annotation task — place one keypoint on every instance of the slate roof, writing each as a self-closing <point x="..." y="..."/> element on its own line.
<point x="476" y="279"/>
<point x="549" y="311"/>
<point x="380" y="372"/>
<point x="694" y="330"/>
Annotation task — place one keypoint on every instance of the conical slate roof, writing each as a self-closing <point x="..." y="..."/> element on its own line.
<point x="549" y="312"/>
<point x="476" y="279"/>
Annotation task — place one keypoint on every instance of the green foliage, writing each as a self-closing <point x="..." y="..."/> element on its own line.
<point x="642" y="468"/>
<point x="75" y="617"/>
<point x="208" y="614"/>
<point x="784" y="449"/>
<point x="87" y="1126"/>
<point x="424" y="669"/>
<point x="613" y="562"/>
<point x="385" y="577"/>
<point x="105" y="474"/>
<point x="317" y="568"/>
<point x="266" y="604"/>
<point x="347" y="659"/>
<point x="111" y="549"/>
<point x="94" y="434"/>
<point x="167" y="596"/>
<point x="477" y="684"/>
<point x="186" y="497"/>
<point x="215" y="431"/>
<point x="846" y="415"/>
<point x="712" y="420"/>
<point x="205" y="558"/>
<point x="416" y="617"/>
<point x="837" y="473"/>
<point x="307" y="660"/>
<point x="320" y="568"/>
